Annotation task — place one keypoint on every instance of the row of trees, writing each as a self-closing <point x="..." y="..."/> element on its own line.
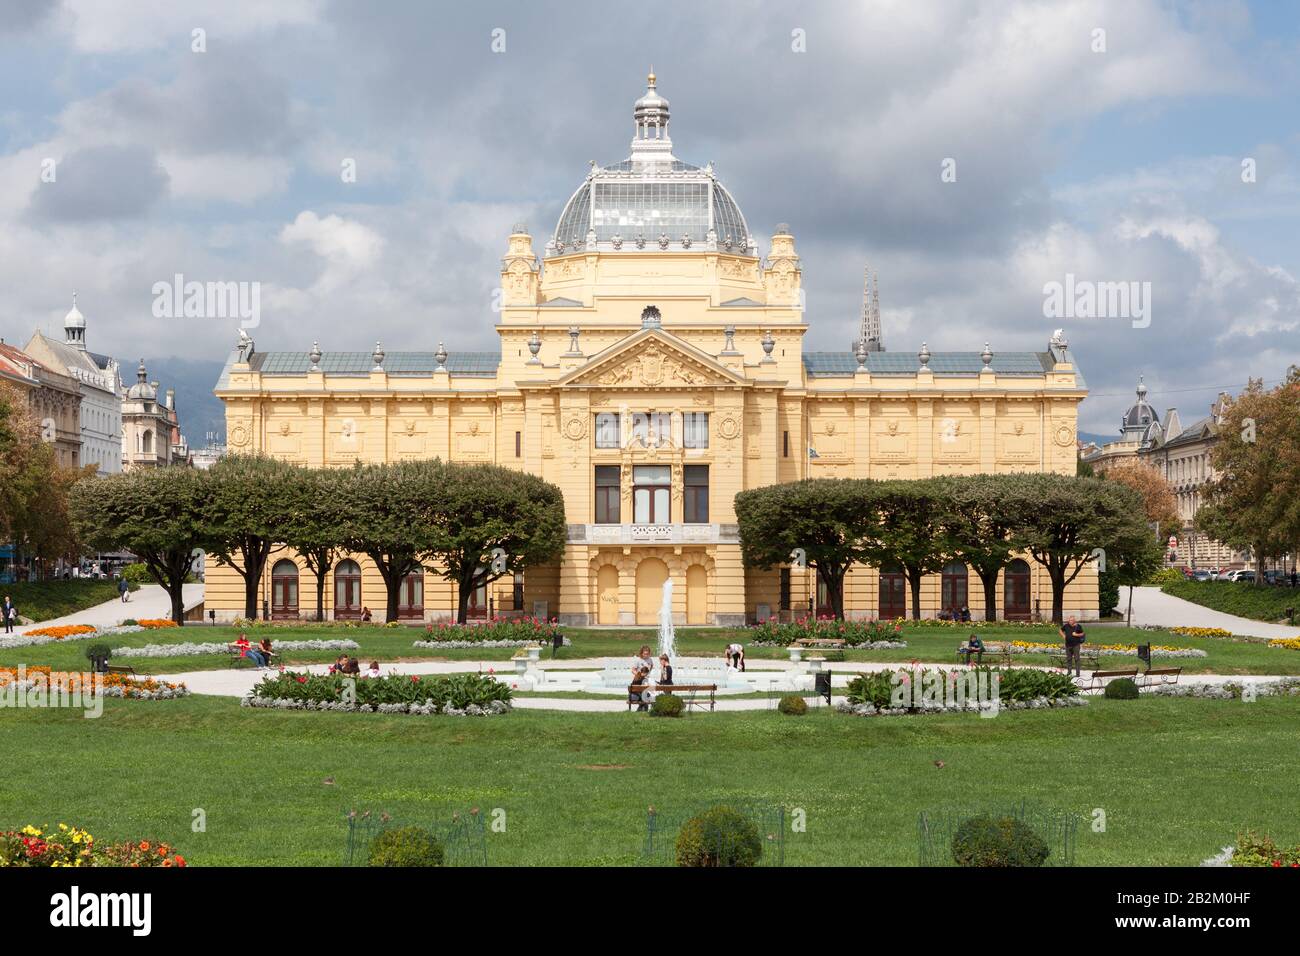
<point x="33" y="486"/>
<point x="468" y="523"/>
<point x="1253" y="503"/>
<point x="923" y="524"/>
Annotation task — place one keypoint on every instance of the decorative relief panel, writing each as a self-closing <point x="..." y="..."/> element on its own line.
<point x="891" y="439"/>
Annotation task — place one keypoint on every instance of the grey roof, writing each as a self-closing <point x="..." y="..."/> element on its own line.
<point x="465" y="364"/>
<point x="1194" y="432"/>
<point x="826" y="364"/>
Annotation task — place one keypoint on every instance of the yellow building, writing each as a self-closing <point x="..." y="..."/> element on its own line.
<point x="651" y="365"/>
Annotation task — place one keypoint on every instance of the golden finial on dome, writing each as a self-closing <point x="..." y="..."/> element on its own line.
<point x="650" y="77"/>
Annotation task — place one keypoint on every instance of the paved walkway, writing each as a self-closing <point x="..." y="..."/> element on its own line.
<point x="151" y="601"/>
<point x="1153" y="606"/>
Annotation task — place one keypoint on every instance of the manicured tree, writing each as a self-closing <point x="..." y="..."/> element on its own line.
<point x="381" y="514"/>
<point x="1061" y="520"/>
<point x="155" y="513"/>
<point x="313" y="526"/>
<point x="978" y="528"/>
<point x="830" y="519"/>
<point x="910" y="530"/>
<point x="246" y="516"/>
<point x="487" y="521"/>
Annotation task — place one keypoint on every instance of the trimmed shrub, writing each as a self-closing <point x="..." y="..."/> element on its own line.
<point x="721" y="836"/>
<point x="667" y="705"/>
<point x="1242" y="598"/>
<point x="999" y="842"/>
<point x="98" y="651"/>
<point x="406" y="846"/>
<point x="1108" y="591"/>
<point x="793" y="705"/>
<point x="1166" y="576"/>
<point x="137" y="574"/>
<point x="1122" y="688"/>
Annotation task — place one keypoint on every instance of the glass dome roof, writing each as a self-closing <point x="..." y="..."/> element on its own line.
<point x="651" y="200"/>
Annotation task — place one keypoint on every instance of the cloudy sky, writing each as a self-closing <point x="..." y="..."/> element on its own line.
<point x="1127" y="163"/>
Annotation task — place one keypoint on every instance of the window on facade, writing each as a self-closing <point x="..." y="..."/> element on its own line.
<point x="651" y="491"/>
<point x="517" y="592"/>
<point x="519" y="444"/>
<point x="607" y="494"/>
<point x="652" y="428"/>
<point x="785" y="589"/>
<point x="607" y="430"/>
<point x="695" y="501"/>
<point x="785" y="444"/>
<point x="695" y="429"/>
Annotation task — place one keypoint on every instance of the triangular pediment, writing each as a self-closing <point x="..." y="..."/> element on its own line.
<point x="652" y="358"/>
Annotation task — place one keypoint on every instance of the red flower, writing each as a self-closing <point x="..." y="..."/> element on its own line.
<point x="301" y="679"/>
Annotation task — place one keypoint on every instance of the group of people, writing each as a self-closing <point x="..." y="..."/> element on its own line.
<point x="955" y="614"/>
<point x="642" y="665"/>
<point x="1072" y="635"/>
<point x="350" y="666"/>
<point x="260" y="653"/>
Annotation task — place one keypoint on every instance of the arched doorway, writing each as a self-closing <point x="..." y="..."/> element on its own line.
<point x="651" y="574"/>
<point x="697" y="595"/>
<point x="410" y="600"/>
<point x="607" y="595"/>
<point x="284" y="590"/>
<point x="953" y="589"/>
<point x="347" y="591"/>
<point x="893" y="592"/>
<point x="1015" y="588"/>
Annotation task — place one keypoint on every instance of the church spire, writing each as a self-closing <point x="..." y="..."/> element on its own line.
<point x="869" y="332"/>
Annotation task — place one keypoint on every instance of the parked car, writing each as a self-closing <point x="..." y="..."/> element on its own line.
<point x="1202" y="574"/>
<point x="1245" y="576"/>
<point x="1224" y="575"/>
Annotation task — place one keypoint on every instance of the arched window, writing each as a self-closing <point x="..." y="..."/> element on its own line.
<point x="410" y="602"/>
<point x="347" y="591"/>
<point x="953" y="594"/>
<point x="284" y="590"/>
<point x="146" y="442"/>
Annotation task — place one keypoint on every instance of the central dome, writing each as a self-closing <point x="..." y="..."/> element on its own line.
<point x="651" y="200"/>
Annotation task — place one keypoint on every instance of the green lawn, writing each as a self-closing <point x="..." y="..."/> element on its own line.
<point x="1245" y="599"/>
<point x="46" y="600"/>
<point x="391" y="644"/>
<point x="1176" y="778"/>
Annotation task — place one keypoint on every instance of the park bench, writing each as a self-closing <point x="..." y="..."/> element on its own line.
<point x="1099" y="679"/>
<point x="820" y="642"/>
<point x="120" y="669"/>
<point x="996" y="653"/>
<point x="1089" y="657"/>
<point x="687" y="692"/>
<point x="237" y="654"/>
<point x="1159" y="675"/>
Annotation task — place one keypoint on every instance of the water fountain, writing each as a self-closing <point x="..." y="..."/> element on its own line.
<point x="667" y="641"/>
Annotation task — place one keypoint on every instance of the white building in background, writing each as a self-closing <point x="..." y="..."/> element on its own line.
<point x="101" y="389"/>
<point x="151" y="434"/>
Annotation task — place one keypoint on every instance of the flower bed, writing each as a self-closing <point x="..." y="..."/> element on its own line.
<point x="1126" y="650"/>
<point x="61" y="631"/>
<point x="498" y="632"/>
<point x="470" y="695"/>
<point x="959" y="625"/>
<point x="1286" y="687"/>
<point x="156" y="623"/>
<point x="195" y="650"/>
<point x="31" y="640"/>
<point x="859" y="634"/>
<point x="1201" y="631"/>
<point x="76" y="682"/>
<point x="937" y="691"/>
<point x="1290" y="643"/>
<point x="71" y="846"/>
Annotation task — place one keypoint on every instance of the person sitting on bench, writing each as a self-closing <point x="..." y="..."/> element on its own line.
<point x="1072" y="633"/>
<point x="965" y="615"/>
<point x="973" y="647"/>
<point x="249" y="651"/>
<point x="641" y="667"/>
<point x="264" y="649"/>
<point x="735" y="654"/>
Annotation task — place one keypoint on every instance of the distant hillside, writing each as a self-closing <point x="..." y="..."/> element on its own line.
<point x="200" y="411"/>
<point x="1097" y="438"/>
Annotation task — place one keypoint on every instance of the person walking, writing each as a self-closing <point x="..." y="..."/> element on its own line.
<point x="10" y="614"/>
<point x="1072" y="633"/>
<point x="123" y="589"/>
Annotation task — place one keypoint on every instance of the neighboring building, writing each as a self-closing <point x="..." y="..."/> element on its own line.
<point x="651" y="364"/>
<point x="151" y="434"/>
<point x="1183" y="456"/>
<point x="1135" y="431"/>
<point x="53" y="398"/>
<point x="101" y="400"/>
<point x="207" y="456"/>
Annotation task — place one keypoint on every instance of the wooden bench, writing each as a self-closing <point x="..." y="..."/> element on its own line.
<point x="1089" y="657"/>
<point x="1159" y="675"/>
<point x="1000" y="653"/>
<point x="1099" y="679"/>
<point x="687" y="692"/>
<point x="120" y="669"/>
<point x="820" y="642"/>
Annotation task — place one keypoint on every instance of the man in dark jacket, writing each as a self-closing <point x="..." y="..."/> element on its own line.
<point x="9" y="613"/>
<point x="1072" y="633"/>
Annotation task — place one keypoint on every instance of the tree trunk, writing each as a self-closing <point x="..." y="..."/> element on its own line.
<point x="176" y="591"/>
<point x="463" y="591"/>
<point x="1057" y="576"/>
<point x="320" y="595"/>
<point x="914" y="584"/>
<point x="251" y="587"/>
<point x="990" y="583"/>
<point x="393" y="585"/>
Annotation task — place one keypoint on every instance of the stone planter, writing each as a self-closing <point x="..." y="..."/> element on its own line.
<point x="796" y="653"/>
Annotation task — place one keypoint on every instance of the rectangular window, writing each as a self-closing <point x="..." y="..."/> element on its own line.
<point x="517" y="592"/>
<point x="651" y="429"/>
<point x="785" y="444"/>
<point x="607" y="430"/>
<point x="695" y="429"/>
<point x="607" y="494"/>
<point x="695" y="501"/>
<point x="785" y="589"/>
<point x="519" y="444"/>
<point x="651" y="490"/>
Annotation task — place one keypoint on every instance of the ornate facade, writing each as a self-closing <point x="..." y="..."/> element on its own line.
<point x="651" y="364"/>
